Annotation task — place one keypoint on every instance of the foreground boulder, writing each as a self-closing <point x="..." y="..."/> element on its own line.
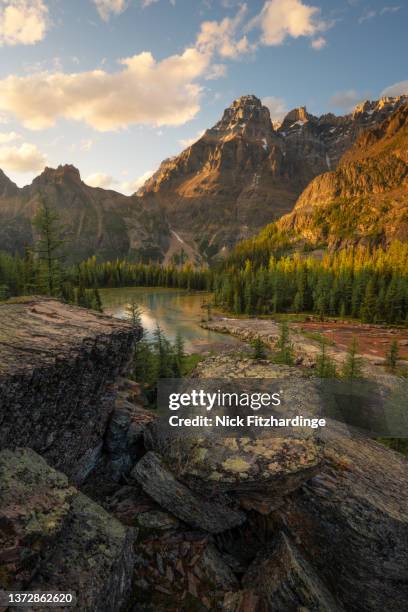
<point x="54" y="538"/>
<point x="58" y="366"/>
<point x="351" y="522"/>
<point x="162" y="486"/>
<point x="285" y="581"/>
<point x="258" y="472"/>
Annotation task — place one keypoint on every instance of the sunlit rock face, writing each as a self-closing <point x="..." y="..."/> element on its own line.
<point x="365" y="198"/>
<point x="244" y="173"/>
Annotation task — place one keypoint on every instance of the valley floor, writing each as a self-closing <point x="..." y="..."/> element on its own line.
<point x="373" y="340"/>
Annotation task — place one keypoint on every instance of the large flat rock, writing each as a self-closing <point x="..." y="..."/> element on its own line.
<point x="257" y="472"/>
<point x="199" y="512"/>
<point x="58" y="365"/>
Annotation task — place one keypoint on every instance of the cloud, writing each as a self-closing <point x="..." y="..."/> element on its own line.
<point x="346" y="100"/>
<point x="86" y="144"/>
<point x="370" y="13"/>
<point x="99" y="179"/>
<point x="25" y="158"/>
<point x="390" y="9"/>
<point x="106" y="8"/>
<point x="22" y="22"/>
<point x="318" y="43"/>
<point x="367" y="15"/>
<point x="280" y="19"/>
<point x="6" y="137"/>
<point x="187" y="142"/>
<point x="130" y="187"/>
<point x="144" y="91"/>
<point x="397" y="89"/>
<point x="220" y="37"/>
<point x="277" y="107"/>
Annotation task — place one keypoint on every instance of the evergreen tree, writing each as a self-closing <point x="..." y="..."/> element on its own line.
<point x="259" y="349"/>
<point x="285" y="351"/>
<point x="179" y="356"/>
<point x="134" y="314"/>
<point x="325" y="366"/>
<point x="48" y="247"/>
<point x="81" y="297"/>
<point x="163" y="352"/>
<point x="392" y="355"/>
<point x="97" y="302"/>
<point x="369" y="305"/>
<point x="352" y="367"/>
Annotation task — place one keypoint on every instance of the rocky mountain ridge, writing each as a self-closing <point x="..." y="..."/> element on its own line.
<point x="242" y="174"/>
<point x="365" y="198"/>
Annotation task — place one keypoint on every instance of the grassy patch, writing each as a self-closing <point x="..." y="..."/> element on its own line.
<point x="190" y="362"/>
<point x="398" y="444"/>
<point x="317" y="337"/>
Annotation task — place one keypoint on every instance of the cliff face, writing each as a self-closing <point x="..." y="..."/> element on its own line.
<point x="58" y="366"/>
<point x="365" y="199"/>
<point x="244" y="173"/>
<point x="95" y="221"/>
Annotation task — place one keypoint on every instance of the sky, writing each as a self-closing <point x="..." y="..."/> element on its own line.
<point x="116" y="86"/>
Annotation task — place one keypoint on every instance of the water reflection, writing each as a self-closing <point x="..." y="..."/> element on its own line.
<point x="174" y="310"/>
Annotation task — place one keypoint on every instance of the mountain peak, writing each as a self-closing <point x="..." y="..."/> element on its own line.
<point x="7" y="187"/>
<point x="297" y="115"/>
<point x="62" y="173"/>
<point x="246" y="112"/>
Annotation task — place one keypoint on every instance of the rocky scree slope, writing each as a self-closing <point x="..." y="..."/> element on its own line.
<point x="244" y="172"/>
<point x="366" y="199"/>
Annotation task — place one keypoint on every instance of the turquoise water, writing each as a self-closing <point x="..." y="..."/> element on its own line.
<point x="174" y="310"/>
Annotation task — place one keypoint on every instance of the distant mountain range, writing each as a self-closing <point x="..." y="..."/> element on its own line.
<point x="239" y="176"/>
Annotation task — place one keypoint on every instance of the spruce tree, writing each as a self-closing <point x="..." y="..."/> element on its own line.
<point x="392" y="355"/>
<point x="48" y="247"/>
<point x="134" y="314"/>
<point x="325" y="366"/>
<point x="259" y="349"/>
<point x="285" y="352"/>
<point x="179" y="356"/>
<point x="352" y="367"/>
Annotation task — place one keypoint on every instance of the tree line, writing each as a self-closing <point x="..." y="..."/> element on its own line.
<point x="371" y="285"/>
<point x="257" y="278"/>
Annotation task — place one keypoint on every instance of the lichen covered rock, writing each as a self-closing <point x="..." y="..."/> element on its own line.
<point x="54" y="538"/>
<point x="58" y="366"/>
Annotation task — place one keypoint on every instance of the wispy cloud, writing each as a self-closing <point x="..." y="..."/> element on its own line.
<point x="99" y="179"/>
<point x="346" y="100"/>
<point x="130" y="187"/>
<point x="397" y="89"/>
<point x="187" y="142"/>
<point x="277" y="107"/>
<point x="371" y="13"/>
<point x="318" y="43"/>
<point x="107" y="8"/>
